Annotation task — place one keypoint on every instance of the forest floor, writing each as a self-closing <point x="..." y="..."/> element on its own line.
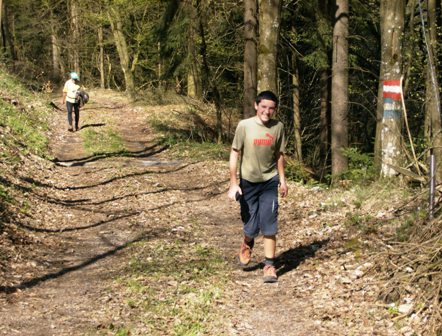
<point x="92" y="220"/>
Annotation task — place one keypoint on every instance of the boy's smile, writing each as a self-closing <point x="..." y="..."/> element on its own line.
<point x="265" y="110"/>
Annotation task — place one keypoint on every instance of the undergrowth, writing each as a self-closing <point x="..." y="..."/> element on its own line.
<point x="409" y="257"/>
<point x="24" y="118"/>
<point x="24" y="123"/>
<point x="413" y="274"/>
<point x="102" y="142"/>
<point x="189" y="136"/>
<point x="173" y="287"/>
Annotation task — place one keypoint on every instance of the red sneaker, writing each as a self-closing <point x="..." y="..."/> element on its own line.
<point x="270" y="274"/>
<point x="245" y="254"/>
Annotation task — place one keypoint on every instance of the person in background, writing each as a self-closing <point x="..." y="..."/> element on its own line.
<point x="260" y="144"/>
<point x="70" y="92"/>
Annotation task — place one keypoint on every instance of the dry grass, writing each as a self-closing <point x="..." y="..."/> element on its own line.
<point x="412" y="275"/>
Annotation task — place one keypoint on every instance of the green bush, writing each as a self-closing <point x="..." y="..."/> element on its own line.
<point x="296" y="171"/>
<point x="360" y="166"/>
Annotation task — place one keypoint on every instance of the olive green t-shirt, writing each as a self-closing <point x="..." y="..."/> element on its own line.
<point x="259" y="145"/>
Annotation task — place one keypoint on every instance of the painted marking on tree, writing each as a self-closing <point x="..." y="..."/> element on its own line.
<point x="392" y="89"/>
<point x="392" y="99"/>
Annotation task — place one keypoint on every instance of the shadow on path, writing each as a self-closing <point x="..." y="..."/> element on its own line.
<point x="145" y="152"/>
<point x="36" y="281"/>
<point x="92" y="125"/>
<point x="126" y="215"/>
<point x="292" y="258"/>
<point x="113" y="179"/>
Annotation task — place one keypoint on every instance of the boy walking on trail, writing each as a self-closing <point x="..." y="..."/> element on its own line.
<point x="260" y="144"/>
<point x="70" y="91"/>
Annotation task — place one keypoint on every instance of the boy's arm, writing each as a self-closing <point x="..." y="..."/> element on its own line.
<point x="283" y="188"/>
<point x="234" y="187"/>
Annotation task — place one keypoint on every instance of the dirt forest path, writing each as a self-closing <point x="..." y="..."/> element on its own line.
<point x="94" y="207"/>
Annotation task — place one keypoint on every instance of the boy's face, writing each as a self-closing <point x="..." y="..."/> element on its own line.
<point x="265" y="110"/>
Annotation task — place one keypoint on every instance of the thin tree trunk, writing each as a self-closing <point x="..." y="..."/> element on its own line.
<point x="55" y="56"/>
<point x="1" y="14"/>
<point x="9" y="32"/>
<point x="250" y="57"/>
<point x="324" y="116"/>
<point x="123" y="52"/>
<point x="411" y="44"/>
<point x="101" y="57"/>
<point x="194" y="87"/>
<point x="207" y="82"/>
<point x="296" y="110"/>
<point x="160" y="65"/>
<point x="377" y="160"/>
<point x="339" y="122"/>
<point x="269" y="24"/>
<point x="75" y="30"/>
<point x="432" y="91"/>
<point x="392" y="27"/>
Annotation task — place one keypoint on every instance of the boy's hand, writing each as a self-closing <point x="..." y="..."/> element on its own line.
<point x="233" y="192"/>
<point x="283" y="189"/>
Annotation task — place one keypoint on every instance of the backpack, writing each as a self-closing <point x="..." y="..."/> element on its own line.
<point x="82" y="97"/>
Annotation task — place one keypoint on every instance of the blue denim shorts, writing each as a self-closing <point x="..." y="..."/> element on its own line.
<point x="259" y="207"/>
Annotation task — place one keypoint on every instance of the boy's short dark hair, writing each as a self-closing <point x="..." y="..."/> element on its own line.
<point x="268" y="95"/>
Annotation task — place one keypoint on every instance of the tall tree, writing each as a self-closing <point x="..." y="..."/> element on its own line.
<point x="1" y="29"/>
<point x="75" y="35"/>
<point x="57" y="64"/>
<point x="296" y="111"/>
<point x="269" y="24"/>
<point x="250" y="57"/>
<point x="122" y="48"/>
<point x="323" y="19"/>
<point x="101" y="56"/>
<point x="339" y="104"/>
<point x="194" y="82"/>
<point x="8" y="31"/>
<point x="392" y="14"/>
<point x="432" y="90"/>
<point x="209" y="84"/>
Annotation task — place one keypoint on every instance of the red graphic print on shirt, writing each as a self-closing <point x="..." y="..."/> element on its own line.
<point x="267" y="141"/>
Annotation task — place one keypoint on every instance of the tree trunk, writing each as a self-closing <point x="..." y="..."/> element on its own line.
<point x="55" y="45"/>
<point x="377" y="160"/>
<point x="9" y="32"/>
<point x="75" y="31"/>
<point x="392" y="27"/>
<point x="194" y="89"/>
<point x="101" y="57"/>
<point x="339" y="122"/>
<point x="123" y="52"/>
<point x="1" y="29"/>
<point x="324" y="119"/>
<point x="55" y="56"/>
<point x="250" y="57"/>
<point x="269" y="24"/>
<point x="296" y="110"/>
<point x="159" y="66"/>
<point x="209" y="84"/>
<point x="432" y="91"/>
